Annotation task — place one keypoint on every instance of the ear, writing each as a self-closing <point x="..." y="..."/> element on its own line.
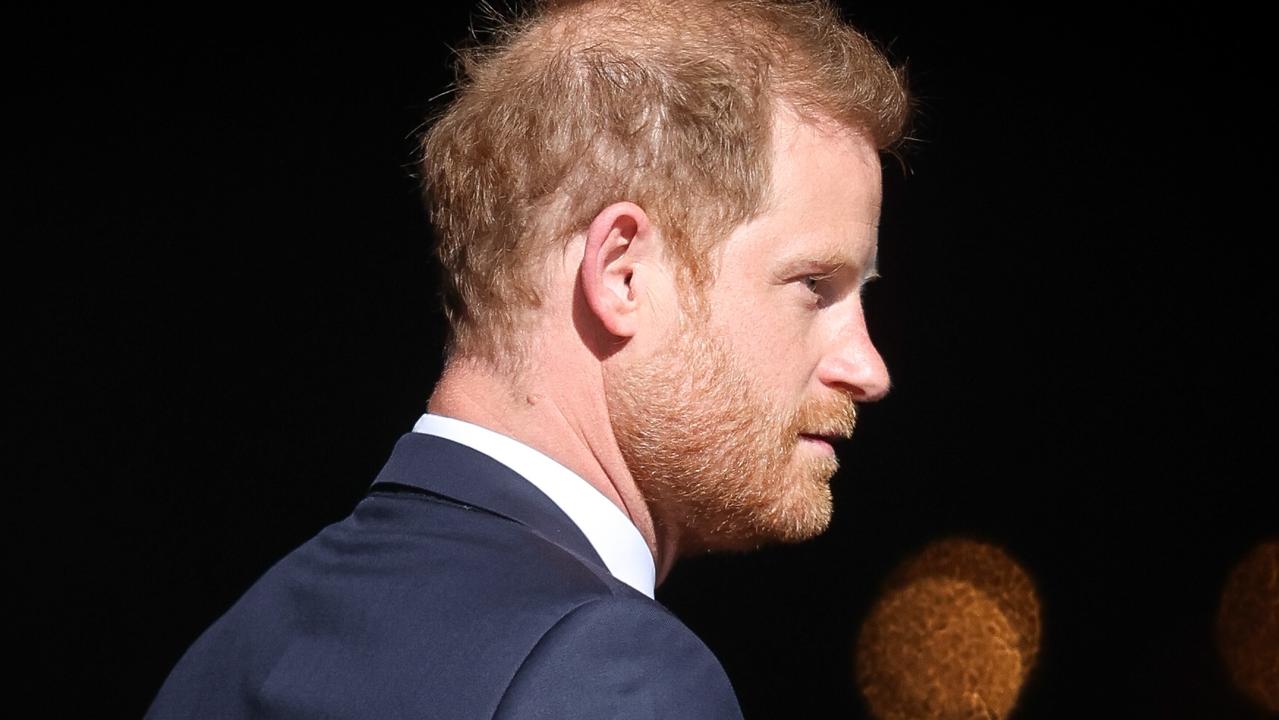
<point x="617" y="237"/>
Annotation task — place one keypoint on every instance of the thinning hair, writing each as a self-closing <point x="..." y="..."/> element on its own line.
<point x="573" y="105"/>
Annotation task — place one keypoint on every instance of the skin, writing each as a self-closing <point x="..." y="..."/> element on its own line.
<point x="785" y="310"/>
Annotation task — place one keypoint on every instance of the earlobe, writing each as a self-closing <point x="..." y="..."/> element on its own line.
<point x="614" y="242"/>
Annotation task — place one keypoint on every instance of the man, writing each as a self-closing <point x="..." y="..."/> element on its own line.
<point x="655" y="220"/>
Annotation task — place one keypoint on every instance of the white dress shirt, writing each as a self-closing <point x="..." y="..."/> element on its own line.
<point x="612" y="534"/>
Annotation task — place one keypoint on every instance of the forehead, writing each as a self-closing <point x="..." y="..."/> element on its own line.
<point x="824" y="198"/>
<point x="824" y="154"/>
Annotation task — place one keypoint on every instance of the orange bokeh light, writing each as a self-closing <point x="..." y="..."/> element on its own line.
<point x="1248" y="625"/>
<point x="953" y="636"/>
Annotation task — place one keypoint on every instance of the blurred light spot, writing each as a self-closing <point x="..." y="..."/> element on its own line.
<point x="953" y="636"/>
<point x="1248" y="625"/>
<point x="990" y="570"/>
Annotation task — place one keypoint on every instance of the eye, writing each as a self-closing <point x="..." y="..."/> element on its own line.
<point x="818" y="290"/>
<point x="814" y="283"/>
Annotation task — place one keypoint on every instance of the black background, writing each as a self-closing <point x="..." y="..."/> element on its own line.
<point x="227" y="314"/>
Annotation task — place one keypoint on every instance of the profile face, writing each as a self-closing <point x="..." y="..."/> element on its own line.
<point x="727" y="428"/>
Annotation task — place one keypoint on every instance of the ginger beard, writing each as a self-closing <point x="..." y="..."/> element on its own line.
<point x="714" y="455"/>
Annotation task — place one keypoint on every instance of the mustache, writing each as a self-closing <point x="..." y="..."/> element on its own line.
<point x="830" y="416"/>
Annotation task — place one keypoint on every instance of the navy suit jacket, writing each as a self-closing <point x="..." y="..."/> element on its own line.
<point x="456" y="589"/>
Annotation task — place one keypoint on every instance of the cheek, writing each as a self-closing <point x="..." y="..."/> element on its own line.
<point x="780" y="360"/>
<point x="784" y="318"/>
<point x="772" y="335"/>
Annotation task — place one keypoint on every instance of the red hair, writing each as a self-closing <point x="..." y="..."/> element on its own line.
<point x="575" y="105"/>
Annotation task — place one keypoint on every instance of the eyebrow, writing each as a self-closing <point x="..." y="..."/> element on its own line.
<point x="829" y="262"/>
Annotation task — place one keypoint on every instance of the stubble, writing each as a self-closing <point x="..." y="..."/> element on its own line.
<point x="715" y="455"/>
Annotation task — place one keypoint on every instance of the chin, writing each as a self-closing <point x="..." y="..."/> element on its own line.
<point x="757" y="537"/>
<point x="805" y="523"/>
<point x="805" y="511"/>
<point x="800" y="513"/>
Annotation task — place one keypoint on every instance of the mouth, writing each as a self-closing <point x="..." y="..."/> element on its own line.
<point x="824" y="442"/>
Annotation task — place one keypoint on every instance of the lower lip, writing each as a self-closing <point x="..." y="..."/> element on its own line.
<point x="818" y="442"/>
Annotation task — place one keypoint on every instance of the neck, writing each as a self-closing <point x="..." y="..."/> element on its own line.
<point x="561" y="421"/>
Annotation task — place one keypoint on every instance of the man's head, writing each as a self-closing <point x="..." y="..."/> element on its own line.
<point x="708" y="172"/>
<point x="666" y="104"/>
<point x="729" y="419"/>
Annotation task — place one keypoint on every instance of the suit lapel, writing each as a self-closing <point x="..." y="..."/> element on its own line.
<point x="465" y="475"/>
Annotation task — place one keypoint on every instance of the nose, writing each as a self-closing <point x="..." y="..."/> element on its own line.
<point x="854" y="365"/>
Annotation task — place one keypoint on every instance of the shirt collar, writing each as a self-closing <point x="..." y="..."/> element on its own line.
<point x="614" y="537"/>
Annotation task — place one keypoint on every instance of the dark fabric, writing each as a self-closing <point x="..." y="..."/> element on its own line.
<point x="456" y="589"/>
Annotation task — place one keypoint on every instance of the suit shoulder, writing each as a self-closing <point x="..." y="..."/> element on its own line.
<point x="401" y="609"/>
<point x="436" y="543"/>
<point x="619" y="657"/>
